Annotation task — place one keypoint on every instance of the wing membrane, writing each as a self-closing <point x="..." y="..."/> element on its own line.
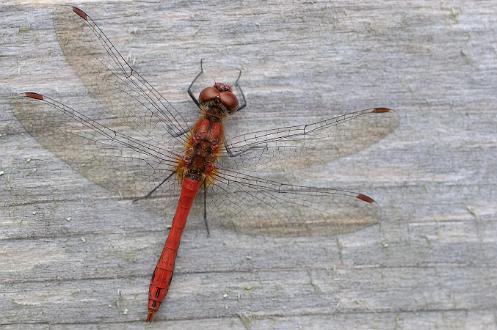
<point x="111" y="80"/>
<point x="109" y="157"/>
<point x="305" y="145"/>
<point x="252" y="205"/>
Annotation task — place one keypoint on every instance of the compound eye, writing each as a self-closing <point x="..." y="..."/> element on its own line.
<point x="208" y="94"/>
<point x="229" y="100"/>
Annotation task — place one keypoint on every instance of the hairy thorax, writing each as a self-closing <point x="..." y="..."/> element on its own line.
<point x="202" y="149"/>
<point x="205" y="140"/>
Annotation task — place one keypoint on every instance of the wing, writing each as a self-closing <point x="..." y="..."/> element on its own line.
<point x="252" y="205"/>
<point x="110" y="157"/>
<point x="114" y="143"/>
<point x="112" y="81"/>
<point x="305" y="145"/>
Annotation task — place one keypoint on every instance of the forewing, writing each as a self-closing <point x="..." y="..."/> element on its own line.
<point x="252" y="205"/>
<point x="114" y="83"/>
<point x="102" y="150"/>
<point x="306" y="145"/>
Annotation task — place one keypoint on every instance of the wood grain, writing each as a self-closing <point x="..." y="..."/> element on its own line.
<point x="72" y="255"/>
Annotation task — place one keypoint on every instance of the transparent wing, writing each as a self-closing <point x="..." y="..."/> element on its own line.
<point x="306" y="145"/>
<point x="115" y="158"/>
<point x="112" y="81"/>
<point x="131" y="145"/>
<point x="252" y="205"/>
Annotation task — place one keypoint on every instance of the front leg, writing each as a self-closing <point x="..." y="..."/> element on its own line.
<point x="228" y="150"/>
<point x="193" y="82"/>
<point x="244" y="101"/>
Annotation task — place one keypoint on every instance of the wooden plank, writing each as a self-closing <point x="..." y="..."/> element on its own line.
<point x="73" y="255"/>
<point x="405" y="320"/>
<point x="238" y="253"/>
<point x="261" y="294"/>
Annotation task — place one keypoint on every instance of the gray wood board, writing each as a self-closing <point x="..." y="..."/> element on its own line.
<point x="73" y="255"/>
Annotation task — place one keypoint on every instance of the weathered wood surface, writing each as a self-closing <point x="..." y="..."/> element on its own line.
<point x="71" y="261"/>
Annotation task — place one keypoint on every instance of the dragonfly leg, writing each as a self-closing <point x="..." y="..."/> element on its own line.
<point x="244" y="101"/>
<point x="193" y="82"/>
<point x="205" y="209"/>
<point x="153" y="190"/>
<point x="182" y="132"/>
<point x="229" y="151"/>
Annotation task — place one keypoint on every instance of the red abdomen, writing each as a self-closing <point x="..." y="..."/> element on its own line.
<point x="163" y="273"/>
<point x="197" y="165"/>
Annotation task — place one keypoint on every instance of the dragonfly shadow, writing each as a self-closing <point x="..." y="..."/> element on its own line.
<point x="344" y="134"/>
<point x="127" y="138"/>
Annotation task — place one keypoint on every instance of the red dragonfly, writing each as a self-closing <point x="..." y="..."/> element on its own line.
<point x="134" y="142"/>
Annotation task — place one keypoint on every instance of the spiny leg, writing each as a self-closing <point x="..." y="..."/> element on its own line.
<point x="153" y="190"/>
<point x="205" y="209"/>
<point x="228" y="150"/>
<point x="193" y="82"/>
<point x="181" y="133"/>
<point x="244" y="101"/>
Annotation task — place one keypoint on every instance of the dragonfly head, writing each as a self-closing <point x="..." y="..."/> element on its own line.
<point x="220" y="95"/>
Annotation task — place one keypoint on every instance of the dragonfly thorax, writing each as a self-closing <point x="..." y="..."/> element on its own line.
<point x="219" y="96"/>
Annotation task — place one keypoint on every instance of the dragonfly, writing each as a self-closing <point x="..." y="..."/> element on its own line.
<point x="134" y="142"/>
